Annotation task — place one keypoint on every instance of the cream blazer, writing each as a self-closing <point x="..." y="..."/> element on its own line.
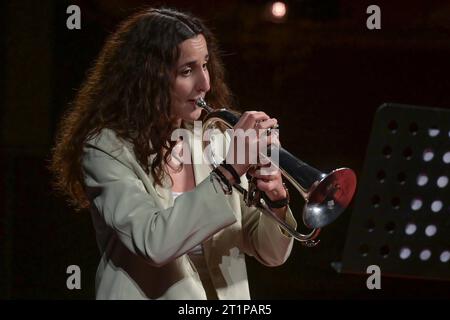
<point x="143" y="235"/>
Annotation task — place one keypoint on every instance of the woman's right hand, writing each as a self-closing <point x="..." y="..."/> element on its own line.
<point x="243" y="151"/>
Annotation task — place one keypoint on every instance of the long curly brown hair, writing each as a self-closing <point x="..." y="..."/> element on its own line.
<point x="128" y="91"/>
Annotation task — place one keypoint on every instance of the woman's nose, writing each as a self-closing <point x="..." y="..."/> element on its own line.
<point x="203" y="81"/>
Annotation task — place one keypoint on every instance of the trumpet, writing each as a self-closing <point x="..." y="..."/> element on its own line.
<point x="326" y="195"/>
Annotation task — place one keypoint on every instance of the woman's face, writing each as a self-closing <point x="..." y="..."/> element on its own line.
<point x="191" y="79"/>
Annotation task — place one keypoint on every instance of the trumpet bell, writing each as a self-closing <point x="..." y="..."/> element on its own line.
<point x="329" y="197"/>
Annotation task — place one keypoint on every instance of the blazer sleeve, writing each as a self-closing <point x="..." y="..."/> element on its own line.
<point x="263" y="237"/>
<point x="159" y="235"/>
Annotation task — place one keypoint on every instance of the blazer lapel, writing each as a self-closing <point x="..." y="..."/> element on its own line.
<point x="201" y="172"/>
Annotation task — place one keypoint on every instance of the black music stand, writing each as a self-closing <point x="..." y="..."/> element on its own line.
<point x="401" y="215"/>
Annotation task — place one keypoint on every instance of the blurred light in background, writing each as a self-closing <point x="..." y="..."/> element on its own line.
<point x="275" y="12"/>
<point x="278" y="10"/>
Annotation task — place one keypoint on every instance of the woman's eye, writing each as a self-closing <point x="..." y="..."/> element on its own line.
<point x="186" y="72"/>
<point x="205" y="66"/>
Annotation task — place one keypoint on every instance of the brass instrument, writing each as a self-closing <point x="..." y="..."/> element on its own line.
<point x="326" y="195"/>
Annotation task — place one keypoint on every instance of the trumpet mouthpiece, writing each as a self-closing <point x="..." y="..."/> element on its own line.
<point x="202" y="104"/>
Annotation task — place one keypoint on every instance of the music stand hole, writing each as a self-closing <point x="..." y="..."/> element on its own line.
<point x="387" y="152"/>
<point x="401" y="178"/>
<point x="395" y="203"/>
<point x="370" y="225"/>
<point x="433" y="131"/>
<point x="376" y="201"/>
<point x="410" y="229"/>
<point x="428" y="155"/>
<point x="393" y="126"/>
<point x="390" y="227"/>
<point x="416" y="204"/>
<point x="405" y="253"/>
<point x="425" y="255"/>
<point x="384" y="251"/>
<point x="442" y="181"/>
<point x="407" y="153"/>
<point x="413" y="128"/>
<point x="446" y="157"/>
<point x="436" y="206"/>
<point x="381" y="176"/>
<point x="430" y="230"/>
<point x="422" y="179"/>
<point x="364" y="250"/>
<point x="445" y="256"/>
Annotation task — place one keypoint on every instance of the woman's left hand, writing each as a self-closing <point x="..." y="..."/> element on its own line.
<point x="268" y="176"/>
<point x="269" y="180"/>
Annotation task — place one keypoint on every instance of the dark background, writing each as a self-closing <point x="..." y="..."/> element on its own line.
<point x="321" y="73"/>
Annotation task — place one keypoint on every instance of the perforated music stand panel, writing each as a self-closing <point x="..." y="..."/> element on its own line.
<point x="401" y="215"/>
